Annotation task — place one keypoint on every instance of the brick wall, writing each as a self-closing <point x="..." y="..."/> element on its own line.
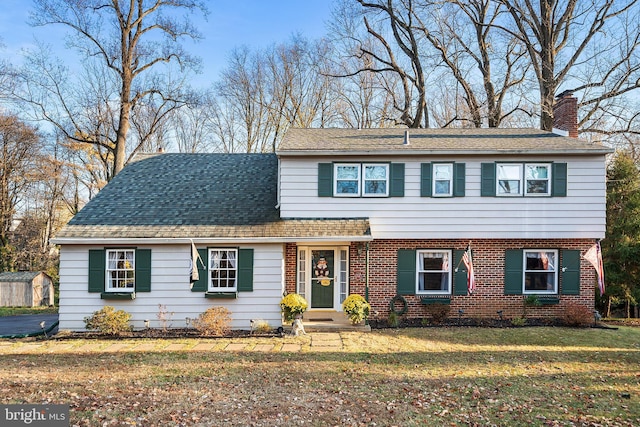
<point x="488" y="257"/>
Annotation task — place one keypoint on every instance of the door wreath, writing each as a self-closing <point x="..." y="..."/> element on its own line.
<point x="398" y="299"/>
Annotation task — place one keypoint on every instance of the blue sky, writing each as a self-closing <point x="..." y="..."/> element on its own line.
<point x="231" y="23"/>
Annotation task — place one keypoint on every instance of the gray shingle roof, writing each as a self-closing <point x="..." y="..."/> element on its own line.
<point x="459" y="141"/>
<point x="18" y="276"/>
<point x="198" y="196"/>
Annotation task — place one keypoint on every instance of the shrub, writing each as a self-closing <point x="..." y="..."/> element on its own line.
<point x="216" y="321"/>
<point x="293" y="305"/>
<point x="519" y="321"/>
<point x="577" y="315"/>
<point x="260" y="326"/>
<point x="356" y="308"/>
<point x="438" y="312"/>
<point x="108" y="321"/>
<point x="394" y="320"/>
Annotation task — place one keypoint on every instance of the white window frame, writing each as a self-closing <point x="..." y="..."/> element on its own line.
<point x="361" y="179"/>
<point x="214" y="286"/>
<point x="336" y="167"/>
<point x="548" y="179"/>
<point x="520" y="167"/>
<point x="363" y="174"/>
<point x="419" y="270"/>
<point x="553" y="270"/>
<point x="128" y="271"/>
<point x="434" y="180"/>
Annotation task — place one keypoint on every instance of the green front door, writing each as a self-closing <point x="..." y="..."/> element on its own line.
<point x="322" y="278"/>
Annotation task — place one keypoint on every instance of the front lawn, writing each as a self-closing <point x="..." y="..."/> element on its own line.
<point x="540" y="376"/>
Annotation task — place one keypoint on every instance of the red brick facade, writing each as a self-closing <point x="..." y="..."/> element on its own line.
<point x="489" y="259"/>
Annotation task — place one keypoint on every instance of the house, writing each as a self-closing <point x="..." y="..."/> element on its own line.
<point x="385" y="213"/>
<point x="26" y="289"/>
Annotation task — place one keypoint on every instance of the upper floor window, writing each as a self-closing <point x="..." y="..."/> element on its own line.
<point x="529" y="179"/>
<point x="537" y="179"/>
<point x="367" y="180"/>
<point x="434" y="272"/>
<point x="347" y="180"/>
<point x="223" y="269"/>
<point x="442" y="179"/>
<point x="120" y="270"/>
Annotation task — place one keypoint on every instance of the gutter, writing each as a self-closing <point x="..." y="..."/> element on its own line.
<point x="202" y="240"/>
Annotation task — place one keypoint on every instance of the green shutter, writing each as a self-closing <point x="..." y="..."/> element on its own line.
<point x="406" y="272"/>
<point x="201" y="284"/>
<point x="559" y="178"/>
<point x="396" y="170"/>
<point x="425" y="180"/>
<point x="513" y="272"/>
<point x="325" y="179"/>
<point x="570" y="272"/>
<point x="459" y="179"/>
<point x="143" y="270"/>
<point x="460" y="276"/>
<point x="245" y="270"/>
<point x="97" y="265"/>
<point x="488" y="178"/>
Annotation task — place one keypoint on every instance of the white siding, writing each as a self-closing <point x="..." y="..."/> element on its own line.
<point x="170" y="286"/>
<point x="579" y="215"/>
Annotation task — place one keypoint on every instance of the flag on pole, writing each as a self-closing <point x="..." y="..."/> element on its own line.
<point x="594" y="256"/>
<point x="468" y="263"/>
<point x="195" y="256"/>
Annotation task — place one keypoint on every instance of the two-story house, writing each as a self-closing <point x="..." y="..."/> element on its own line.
<point x="385" y="213"/>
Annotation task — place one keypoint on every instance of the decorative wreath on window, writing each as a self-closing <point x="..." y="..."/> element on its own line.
<point x="398" y="300"/>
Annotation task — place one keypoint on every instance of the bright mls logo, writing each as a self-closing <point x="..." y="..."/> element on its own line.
<point x="34" y="415"/>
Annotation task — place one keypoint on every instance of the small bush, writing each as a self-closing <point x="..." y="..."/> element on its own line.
<point x="393" y="320"/>
<point x="577" y="315"/>
<point x="519" y="321"/>
<point x="356" y="308"/>
<point x="108" y="321"/>
<point x="216" y="321"/>
<point x="438" y="312"/>
<point x="261" y="326"/>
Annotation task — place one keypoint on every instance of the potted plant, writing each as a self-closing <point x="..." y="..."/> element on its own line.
<point x="293" y="305"/>
<point x="356" y="308"/>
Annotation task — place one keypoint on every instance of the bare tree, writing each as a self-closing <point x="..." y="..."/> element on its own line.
<point x="19" y="154"/>
<point x="389" y="58"/>
<point x="589" y="46"/>
<point x="131" y="40"/>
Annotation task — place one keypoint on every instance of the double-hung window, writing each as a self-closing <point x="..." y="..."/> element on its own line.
<point x="223" y="270"/>
<point x="434" y="272"/>
<point x="347" y="182"/>
<point x="366" y="180"/>
<point x="540" y="271"/>
<point x="528" y="179"/>
<point x="442" y="179"/>
<point x="120" y="270"/>
<point x="537" y="179"/>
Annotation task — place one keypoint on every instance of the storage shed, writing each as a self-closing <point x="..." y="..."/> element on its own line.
<point x="25" y="289"/>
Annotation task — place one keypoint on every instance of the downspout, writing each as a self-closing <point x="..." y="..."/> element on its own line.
<point x="366" y="276"/>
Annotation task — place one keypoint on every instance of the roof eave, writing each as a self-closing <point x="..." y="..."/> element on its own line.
<point x="202" y="240"/>
<point x="405" y="152"/>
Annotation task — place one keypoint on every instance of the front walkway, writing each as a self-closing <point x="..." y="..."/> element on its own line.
<point x="312" y="342"/>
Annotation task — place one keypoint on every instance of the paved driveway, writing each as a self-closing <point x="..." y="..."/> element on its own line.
<point x="26" y="323"/>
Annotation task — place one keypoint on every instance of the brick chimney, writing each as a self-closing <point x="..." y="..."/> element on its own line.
<point x="565" y="113"/>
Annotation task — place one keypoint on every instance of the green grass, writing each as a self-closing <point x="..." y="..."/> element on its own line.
<point x="13" y="311"/>
<point x="405" y="377"/>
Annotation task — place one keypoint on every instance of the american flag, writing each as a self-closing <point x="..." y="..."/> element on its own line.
<point x="594" y="256"/>
<point x="468" y="263"/>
